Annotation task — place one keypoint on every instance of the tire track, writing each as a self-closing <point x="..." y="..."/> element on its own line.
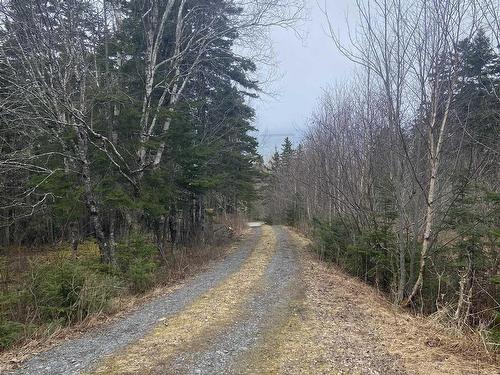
<point x="321" y="334"/>
<point x="227" y="352"/>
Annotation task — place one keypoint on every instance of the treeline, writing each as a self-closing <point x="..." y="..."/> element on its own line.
<point x="396" y="176"/>
<point x="126" y="116"/>
<point x="124" y="127"/>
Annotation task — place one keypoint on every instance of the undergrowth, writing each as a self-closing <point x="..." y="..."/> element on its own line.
<point x="55" y="290"/>
<point x="372" y="255"/>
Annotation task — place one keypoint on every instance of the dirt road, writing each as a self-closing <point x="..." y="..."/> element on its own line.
<point x="267" y="308"/>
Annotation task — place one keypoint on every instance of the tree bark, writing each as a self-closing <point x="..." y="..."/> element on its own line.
<point x="107" y="255"/>
<point x="431" y="196"/>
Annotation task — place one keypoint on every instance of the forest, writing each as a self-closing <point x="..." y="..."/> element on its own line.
<point x="125" y="134"/>
<point x="129" y="161"/>
<point x="396" y="176"/>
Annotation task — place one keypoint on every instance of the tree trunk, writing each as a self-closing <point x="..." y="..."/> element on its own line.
<point x="426" y="244"/>
<point x="431" y="196"/>
<point x="465" y="292"/>
<point x="402" y="261"/>
<point x="112" y="240"/>
<point x="107" y="254"/>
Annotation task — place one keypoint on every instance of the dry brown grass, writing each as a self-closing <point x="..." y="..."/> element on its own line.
<point x="296" y="344"/>
<point x="343" y="326"/>
<point x="423" y="345"/>
<point x="290" y="347"/>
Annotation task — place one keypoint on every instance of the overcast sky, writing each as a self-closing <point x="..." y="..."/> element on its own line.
<point x="305" y="67"/>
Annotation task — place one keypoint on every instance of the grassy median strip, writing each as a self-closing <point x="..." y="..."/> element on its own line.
<point x="289" y="346"/>
<point x="202" y="318"/>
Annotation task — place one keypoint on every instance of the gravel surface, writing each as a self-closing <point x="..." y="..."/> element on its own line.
<point x="74" y="356"/>
<point x="220" y="354"/>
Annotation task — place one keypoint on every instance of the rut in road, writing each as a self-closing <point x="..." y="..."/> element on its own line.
<point x="226" y="350"/>
<point x="211" y="334"/>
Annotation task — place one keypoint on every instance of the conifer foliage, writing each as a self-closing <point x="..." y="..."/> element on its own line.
<point x="119" y="117"/>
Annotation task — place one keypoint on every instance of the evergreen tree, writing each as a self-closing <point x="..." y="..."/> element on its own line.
<point x="476" y="104"/>
<point x="286" y="150"/>
<point x="198" y="149"/>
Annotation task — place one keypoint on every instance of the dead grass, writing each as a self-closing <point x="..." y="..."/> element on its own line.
<point x="289" y="347"/>
<point x="343" y="326"/>
<point x="296" y="344"/>
<point x="202" y="318"/>
<point x="423" y="345"/>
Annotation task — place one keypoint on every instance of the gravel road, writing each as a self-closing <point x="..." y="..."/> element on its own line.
<point x="266" y="308"/>
<point x="222" y="354"/>
<point x="72" y="357"/>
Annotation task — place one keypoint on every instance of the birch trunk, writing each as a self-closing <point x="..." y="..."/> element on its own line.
<point x="154" y="36"/>
<point x="431" y="196"/>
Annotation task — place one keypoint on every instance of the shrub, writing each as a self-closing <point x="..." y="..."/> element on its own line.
<point x="65" y="290"/>
<point x="11" y="332"/>
<point x="365" y="254"/>
<point x="141" y="275"/>
<point x="137" y="263"/>
<point x="12" y="303"/>
<point x="331" y="239"/>
<point x="4" y="271"/>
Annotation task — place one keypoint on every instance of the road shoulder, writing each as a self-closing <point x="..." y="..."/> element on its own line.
<point x="345" y="326"/>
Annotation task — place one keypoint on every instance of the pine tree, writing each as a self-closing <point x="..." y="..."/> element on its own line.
<point x="476" y="104"/>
